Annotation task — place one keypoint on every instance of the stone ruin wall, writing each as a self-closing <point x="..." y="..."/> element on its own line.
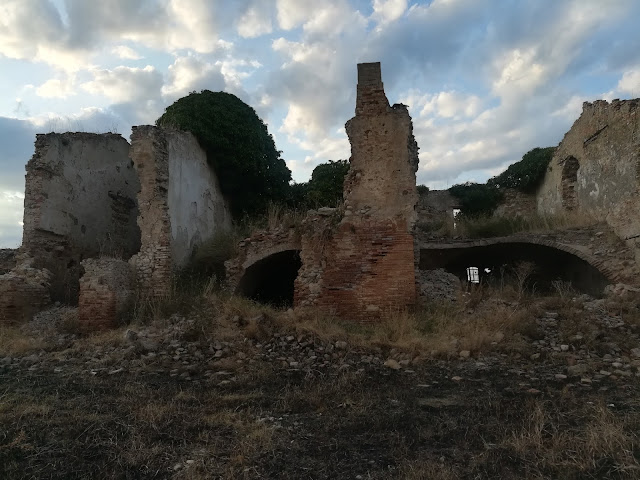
<point x="595" y="169"/>
<point x="516" y="204"/>
<point x="79" y="203"/>
<point x="364" y="266"/>
<point x="180" y="201"/>
<point x="7" y="259"/>
<point x="106" y="293"/>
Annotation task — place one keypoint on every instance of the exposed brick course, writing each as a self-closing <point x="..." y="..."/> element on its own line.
<point x="106" y="293"/>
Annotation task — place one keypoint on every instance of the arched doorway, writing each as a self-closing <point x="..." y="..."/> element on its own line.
<point x="271" y="280"/>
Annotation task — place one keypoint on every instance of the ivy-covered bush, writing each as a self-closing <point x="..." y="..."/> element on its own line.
<point x="527" y="174"/>
<point x="238" y="146"/>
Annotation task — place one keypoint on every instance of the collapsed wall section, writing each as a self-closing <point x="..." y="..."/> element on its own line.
<point x="596" y="168"/>
<point x="364" y="266"/>
<point x="181" y="204"/>
<point x="23" y="291"/>
<point x="80" y="202"/>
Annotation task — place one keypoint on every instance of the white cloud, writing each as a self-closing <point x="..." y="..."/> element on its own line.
<point x="192" y="73"/>
<point x="57" y="88"/>
<point x="293" y="13"/>
<point x="385" y="11"/>
<point x="125" y="84"/>
<point x="126" y="53"/>
<point x="630" y="83"/>
<point x="254" y="22"/>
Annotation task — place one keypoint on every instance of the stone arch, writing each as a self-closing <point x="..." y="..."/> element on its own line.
<point x="569" y="182"/>
<point x="270" y="278"/>
<point x="555" y="260"/>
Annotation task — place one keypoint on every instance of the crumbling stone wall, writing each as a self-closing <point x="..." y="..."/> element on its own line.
<point x="516" y="204"/>
<point x="106" y="293"/>
<point x="180" y="203"/>
<point x="79" y="203"/>
<point x="7" y="259"/>
<point x="596" y="166"/>
<point x="364" y="266"/>
<point x="23" y="291"/>
<point x="434" y="208"/>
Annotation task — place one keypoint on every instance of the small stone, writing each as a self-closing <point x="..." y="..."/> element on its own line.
<point x="340" y="345"/>
<point x="393" y="364"/>
<point x="535" y="356"/>
<point x="465" y="354"/>
<point x="560" y="376"/>
<point x="564" y="348"/>
<point x="456" y="378"/>
<point x="635" y="352"/>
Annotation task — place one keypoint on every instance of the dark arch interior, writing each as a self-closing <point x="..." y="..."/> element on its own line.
<point x="271" y="279"/>
<point x="550" y="264"/>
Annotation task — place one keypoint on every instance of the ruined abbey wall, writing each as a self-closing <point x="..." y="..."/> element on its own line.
<point x="180" y="203"/>
<point x="364" y="267"/>
<point x="80" y="202"/>
<point x="596" y="168"/>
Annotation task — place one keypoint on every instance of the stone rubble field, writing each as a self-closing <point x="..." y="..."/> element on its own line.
<point x="261" y="394"/>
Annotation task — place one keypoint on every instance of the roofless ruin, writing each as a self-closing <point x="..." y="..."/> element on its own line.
<point x="105" y="221"/>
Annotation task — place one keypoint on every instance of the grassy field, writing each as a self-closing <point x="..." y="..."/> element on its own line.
<point x="218" y="387"/>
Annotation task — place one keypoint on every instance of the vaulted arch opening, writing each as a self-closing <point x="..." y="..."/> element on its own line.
<point x="498" y="260"/>
<point x="271" y="280"/>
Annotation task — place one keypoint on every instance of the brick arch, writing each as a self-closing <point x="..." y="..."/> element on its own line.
<point x="271" y="279"/>
<point x="253" y="253"/>
<point x="611" y="273"/>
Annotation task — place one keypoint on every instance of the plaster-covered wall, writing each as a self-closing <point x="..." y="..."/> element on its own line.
<point x="80" y="202"/>
<point x="180" y="203"/>
<point x="197" y="208"/>
<point x="595" y="168"/>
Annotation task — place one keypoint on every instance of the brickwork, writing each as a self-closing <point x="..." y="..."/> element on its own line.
<point x="23" y="291"/>
<point x="362" y="272"/>
<point x="153" y="264"/>
<point x="364" y="266"/>
<point x="106" y="293"/>
<point x="180" y="204"/>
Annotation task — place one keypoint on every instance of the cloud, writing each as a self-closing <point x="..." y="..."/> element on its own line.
<point x="385" y="11"/>
<point x="256" y="21"/>
<point x="192" y="73"/>
<point x="124" y="84"/>
<point x="57" y="87"/>
<point x="630" y="82"/>
<point x="126" y="53"/>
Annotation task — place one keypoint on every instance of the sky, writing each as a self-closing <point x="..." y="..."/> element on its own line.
<point x="485" y="80"/>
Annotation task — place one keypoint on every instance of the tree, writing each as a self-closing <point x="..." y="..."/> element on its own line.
<point x="326" y="184"/>
<point x="477" y="198"/>
<point x="527" y="174"/>
<point x="238" y="147"/>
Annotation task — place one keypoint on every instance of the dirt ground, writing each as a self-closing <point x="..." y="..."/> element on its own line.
<point x="275" y="400"/>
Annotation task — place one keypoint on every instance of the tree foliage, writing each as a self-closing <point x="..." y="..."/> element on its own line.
<point x="477" y="198"/>
<point x="324" y="189"/>
<point x="238" y="146"/>
<point x="527" y="174"/>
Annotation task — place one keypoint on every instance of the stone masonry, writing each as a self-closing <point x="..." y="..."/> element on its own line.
<point x="596" y="169"/>
<point x="79" y="203"/>
<point x="180" y="204"/>
<point x="106" y="293"/>
<point x="364" y="266"/>
<point x="23" y="291"/>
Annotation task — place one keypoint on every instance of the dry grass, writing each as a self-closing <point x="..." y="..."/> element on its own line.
<point x="486" y="227"/>
<point x="603" y="444"/>
<point x="14" y="342"/>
